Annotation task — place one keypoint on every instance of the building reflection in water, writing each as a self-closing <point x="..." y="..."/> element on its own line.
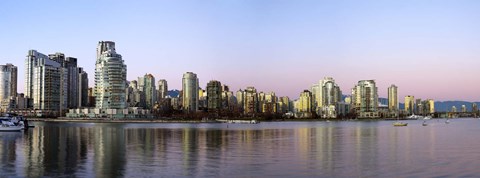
<point x="316" y="149"/>
<point x="8" y="155"/>
<point x="109" y="150"/>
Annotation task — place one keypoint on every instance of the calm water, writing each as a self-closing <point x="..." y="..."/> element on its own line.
<point x="285" y="149"/>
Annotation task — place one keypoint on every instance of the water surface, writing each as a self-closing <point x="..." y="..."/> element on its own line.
<point x="268" y="149"/>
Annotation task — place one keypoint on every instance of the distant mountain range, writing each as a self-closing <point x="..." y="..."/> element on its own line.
<point x="173" y="93"/>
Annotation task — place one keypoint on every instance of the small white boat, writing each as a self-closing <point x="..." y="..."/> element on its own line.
<point x="424" y="123"/>
<point x="447" y="121"/>
<point x="413" y="116"/>
<point x="400" y="124"/>
<point x="427" y="118"/>
<point x="8" y="126"/>
<point x="238" y="121"/>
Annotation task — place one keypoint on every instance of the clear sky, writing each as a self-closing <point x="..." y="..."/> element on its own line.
<point x="429" y="49"/>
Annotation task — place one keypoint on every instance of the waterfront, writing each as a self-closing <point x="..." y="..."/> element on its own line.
<point x="268" y="149"/>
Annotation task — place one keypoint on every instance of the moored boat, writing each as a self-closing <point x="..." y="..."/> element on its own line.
<point x="399" y="124"/>
<point x="7" y="125"/>
<point x="238" y="121"/>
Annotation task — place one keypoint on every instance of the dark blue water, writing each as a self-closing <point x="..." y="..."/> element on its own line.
<point x="277" y="149"/>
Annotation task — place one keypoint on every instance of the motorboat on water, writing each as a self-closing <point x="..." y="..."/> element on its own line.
<point x="427" y="118"/>
<point x="12" y="123"/>
<point x="10" y="126"/>
<point x="238" y="121"/>
<point x="424" y="123"/>
<point x="414" y="117"/>
<point x="400" y="124"/>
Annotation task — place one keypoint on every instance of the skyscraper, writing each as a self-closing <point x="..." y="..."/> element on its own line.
<point x="8" y="85"/>
<point x="60" y="58"/>
<point x="330" y="92"/>
<point x="82" y="88"/>
<point x="70" y="64"/>
<point x="365" y="96"/>
<point x="393" y="98"/>
<point x="162" y="89"/>
<point x="429" y="106"/>
<point x="190" y="92"/>
<point x="285" y="104"/>
<point x="44" y="81"/>
<point x="110" y="77"/>
<point x="409" y="104"/>
<point x="214" y="95"/>
<point x="250" y="101"/>
<point x="240" y="95"/>
<point x="304" y="103"/>
<point x="326" y="97"/>
<point x="147" y="85"/>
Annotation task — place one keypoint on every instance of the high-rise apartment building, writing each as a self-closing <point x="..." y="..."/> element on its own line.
<point x="419" y="106"/>
<point x="190" y="92"/>
<point x="240" y="95"/>
<point x="365" y="96"/>
<point x="285" y="104"/>
<point x="270" y="104"/>
<point x="214" y="95"/>
<point x="147" y="85"/>
<point x="110" y="77"/>
<point x="82" y="88"/>
<point x="8" y="86"/>
<point x="162" y="89"/>
<point x="393" y="98"/>
<point x="250" y="101"/>
<point x="409" y="104"/>
<point x="72" y="75"/>
<point x="326" y="94"/>
<point x="44" y="82"/>
<point x="429" y="106"/>
<point x="64" y="83"/>
<point x="304" y="103"/>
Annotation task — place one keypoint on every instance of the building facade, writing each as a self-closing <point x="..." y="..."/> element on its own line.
<point x="44" y="83"/>
<point x="8" y="86"/>
<point x="82" y="88"/>
<point x="393" y="98"/>
<point x="365" y="99"/>
<point x="304" y="105"/>
<point x="162" y="89"/>
<point x="250" y="101"/>
<point x="190" y="92"/>
<point x="110" y="77"/>
<point x="326" y="98"/>
<point x="214" y="95"/>
<point x="409" y="104"/>
<point x="147" y="85"/>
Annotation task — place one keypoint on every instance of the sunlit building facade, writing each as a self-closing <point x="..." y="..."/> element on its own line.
<point x="365" y="99"/>
<point x="409" y="104"/>
<point x="147" y="85"/>
<point x="250" y="101"/>
<point x="8" y="86"/>
<point x="214" y="95"/>
<point x="162" y="89"/>
<point x="190" y="92"/>
<point x="110" y="77"/>
<point x="393" y="98"/>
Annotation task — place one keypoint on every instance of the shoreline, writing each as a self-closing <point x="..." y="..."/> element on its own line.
<point x="143" y="120"/>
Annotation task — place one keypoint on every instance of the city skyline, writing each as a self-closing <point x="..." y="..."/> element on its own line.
<point x="422" y="48"/>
